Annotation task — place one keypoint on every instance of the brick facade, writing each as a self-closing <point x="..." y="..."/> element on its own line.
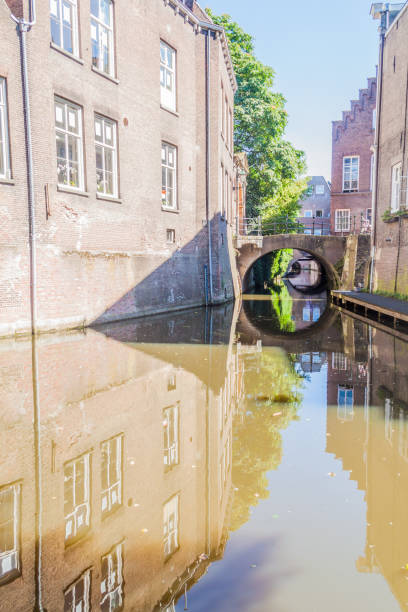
<point x="353" y="137"/>
<point x="391" y="239"/>
<point x="102" y="259"/>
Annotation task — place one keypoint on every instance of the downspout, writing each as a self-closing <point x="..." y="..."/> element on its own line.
<point x="208" y="159"/>
<point x="377" y="152"/>
<point x="23" y="27"/>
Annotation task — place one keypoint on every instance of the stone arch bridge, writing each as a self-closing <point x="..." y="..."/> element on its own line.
<point x="344" y="259"/>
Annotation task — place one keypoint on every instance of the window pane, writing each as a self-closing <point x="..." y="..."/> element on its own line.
<point x="99" y="157"/>
<point x="95" y="8"/>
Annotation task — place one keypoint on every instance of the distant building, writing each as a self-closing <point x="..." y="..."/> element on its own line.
<point x="316" y="207"/>
<point x="390" y="237"/>
<point x="352" y="164"/>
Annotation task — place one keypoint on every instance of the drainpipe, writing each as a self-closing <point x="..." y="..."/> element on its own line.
<point x="23" y="27"/>
<point x="377" y="152"/>
<point x="208" y="159"/>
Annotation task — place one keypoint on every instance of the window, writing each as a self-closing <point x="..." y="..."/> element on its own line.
<point x="350" y="173"/>
<point x="171" y="526"/>
<point x="339" y="361"/>
<point x="64" y="24"/>
<point x="374" y="119"/>
<point x="308" y="213"/>
<point x="77" y="498"/>
<point x="222" y="191"/>
<point x="231" y="129"/>
<point x="68" y="132"/>
<point x="222" y="112"/>
<point x="319" y="213"/>
<point x="111" y="474"/>
<point x="167" y="76"/>
<point x="171" y="436"/>
<point x="342" y="220"/>
<point x="319" y="189"/>
<point x="76" y="597"/>
<point x="369" y="215"/>
<point x="10" y="532"/>
<point x="112" y="580"/>
<point x="106" y="156"/>
<point x="4" y="138"/>
<point x="102" y="35"/>
<point x="345" y="401"/>
<point x="396" y="187"/>
<point x="169" y="176"/>
<point x="372" y="172"/>
<point x="171" y="236"/>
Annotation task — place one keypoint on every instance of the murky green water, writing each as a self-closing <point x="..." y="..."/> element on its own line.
<point x="244" y="458"/>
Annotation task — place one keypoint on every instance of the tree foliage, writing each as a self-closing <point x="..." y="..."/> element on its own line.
<point x="274" y="187"/>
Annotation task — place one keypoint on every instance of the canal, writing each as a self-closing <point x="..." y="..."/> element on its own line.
<point x="249" y="457"/>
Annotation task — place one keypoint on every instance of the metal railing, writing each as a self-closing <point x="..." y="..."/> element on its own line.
<point x="315" y="226"/>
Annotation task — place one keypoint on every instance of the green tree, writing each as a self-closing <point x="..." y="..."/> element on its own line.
<point x="274" y="187"/>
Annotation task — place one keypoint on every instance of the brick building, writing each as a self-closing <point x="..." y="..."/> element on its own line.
<point x="315" y="211"/>
<point x="352" y="164"/>
<point x="141" y="169"/>
<point x="390" y="232"/>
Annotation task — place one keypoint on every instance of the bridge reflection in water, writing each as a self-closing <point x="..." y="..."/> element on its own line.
<point x="154" y="442"/>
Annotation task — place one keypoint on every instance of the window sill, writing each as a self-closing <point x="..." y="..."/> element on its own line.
<point x="7" y="181"/>
<point x="169" y="110"/>
<point x="78" y="192"/>
<point x="170" y="210"/>
<point x="105" y="75"/>
<point x="66" y="53"/>
<point x="108" y="198"/>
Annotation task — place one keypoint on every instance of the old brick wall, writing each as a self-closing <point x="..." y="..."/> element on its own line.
<point x="354" y="136"/>
<point x="391" y="239"/>
<point x="101" y="259"/>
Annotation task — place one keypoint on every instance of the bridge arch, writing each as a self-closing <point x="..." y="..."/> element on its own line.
<point x="328" y="250"/>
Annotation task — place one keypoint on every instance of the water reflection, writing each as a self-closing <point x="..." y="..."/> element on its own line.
<point x="154" y="443"/>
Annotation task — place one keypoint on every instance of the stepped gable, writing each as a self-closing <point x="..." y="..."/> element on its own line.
<point x="365" y="97"/>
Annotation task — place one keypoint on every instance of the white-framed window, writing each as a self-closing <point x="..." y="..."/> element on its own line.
<point x="345" y="403"/>
<point x="77" y="596"/>
<point x="10" y="501"/>
<point x="230" y="131"/>
<point x="112" y="579"/>
<point x="369" y="215"/>
<point x="169" y="176"/>
<point x="342" y="220"/>
<point x="77" y="494"/>
<point x="167" y="76"/>
<point x="102" y="36"/>
<point x="339" y="361"/>
<point x="5" y="170"/>
<point x="374" y="124"/>
<point x="171" y="436"/>
<point x="319" y="189"/>
<point x="106" y="153"/>
<point x="170" y="236"/>
<point x="68" y="133"/>
<point x="308" y="214"/>
<point x="372" y="172"/>
<point x="396" y="186"/>
<point x="111" y="474"/>
<point x="222" y="111"/>
<point x="351" y="167"/>
<point x="171" y="526"/>
<point x="64" y="25"/>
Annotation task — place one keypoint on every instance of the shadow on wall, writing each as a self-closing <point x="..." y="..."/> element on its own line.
<point x="183" y="280"/>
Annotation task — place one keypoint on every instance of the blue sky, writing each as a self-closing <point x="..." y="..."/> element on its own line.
<point x="322" y="51"/>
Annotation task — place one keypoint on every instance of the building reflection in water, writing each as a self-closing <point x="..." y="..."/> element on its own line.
<point x="136" y="458"/>
<point x="155" y="440"/>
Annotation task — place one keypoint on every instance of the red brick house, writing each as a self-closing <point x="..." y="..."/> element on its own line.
<point x="352" y="163"/>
